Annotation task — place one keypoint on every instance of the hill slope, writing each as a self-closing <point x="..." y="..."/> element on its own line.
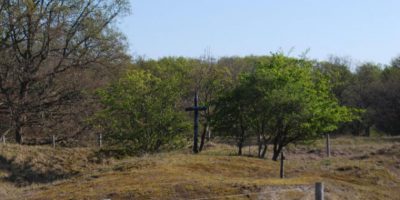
<point x="360" y="168"/>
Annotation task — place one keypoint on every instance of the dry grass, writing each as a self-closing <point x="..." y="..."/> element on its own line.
<point x="360" y="169"/>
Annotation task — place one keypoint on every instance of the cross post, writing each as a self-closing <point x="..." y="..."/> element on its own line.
<point x="196" y="110"/>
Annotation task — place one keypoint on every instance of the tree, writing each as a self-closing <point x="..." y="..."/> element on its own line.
<point x="387" y="104"/>
<point x="301" y="106"/>
<point x="286" y="101"/>
<point x="140" y="113"/>
<point x="231" y="116"/>
<point x="361" y="93"/>
<point x="44" y="43"/>
<point x="337" y="71"/>
<point x="209" y="80"/>
<point x="395" y="62"/>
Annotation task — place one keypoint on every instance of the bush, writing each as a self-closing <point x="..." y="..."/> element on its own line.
<point x="140" y="114"/>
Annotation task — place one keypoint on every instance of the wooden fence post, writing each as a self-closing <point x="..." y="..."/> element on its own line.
<point x="319" y="191"/>
<point x="282" y="172"/>
<point x="328" y="146"/>
<point x="54" y="141"/>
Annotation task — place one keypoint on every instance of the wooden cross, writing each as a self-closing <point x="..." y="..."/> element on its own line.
<point x="196" y="110"/>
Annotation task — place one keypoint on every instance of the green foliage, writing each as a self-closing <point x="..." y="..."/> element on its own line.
<point x="231" y="117"/>
<point x="140" y="113"/>
<point x="386" y="106"/>
<point x="209" y="80"/>
<point x="337" y="73"/>
<point x="283" y="99"/>
<point x="278" y="99"/>
<point x="361" y="94"/>
<point x="299" y="99"/>
<point x="372" y="88"/>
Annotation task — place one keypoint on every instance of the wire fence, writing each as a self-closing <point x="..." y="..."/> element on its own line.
<point x="90" y="140"/>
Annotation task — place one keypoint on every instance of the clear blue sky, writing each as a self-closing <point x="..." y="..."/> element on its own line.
<point x="366" y="30"/>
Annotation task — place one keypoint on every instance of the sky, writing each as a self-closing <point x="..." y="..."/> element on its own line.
<point x="363" y="30"/>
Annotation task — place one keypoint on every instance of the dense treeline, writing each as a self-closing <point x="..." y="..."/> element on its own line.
<point x="372" y="87"/>
<point x="64" y="71"/>
<point x="274" y="99"/>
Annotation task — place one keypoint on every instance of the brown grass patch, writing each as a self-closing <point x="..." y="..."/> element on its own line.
<point x="361" y="169"/>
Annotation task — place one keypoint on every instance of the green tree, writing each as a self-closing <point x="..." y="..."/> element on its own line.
<point x="231" y="118"/>
<point x="387" y="106"/>
<point x="202" y="75"/>
<point x="301" y="105"/>
<point x="209" y="80"/>
<point x="361" y="93"/>
<point x="286" y="101"/>
<point x="140" y="113"/>
<point x="338" y="73"/>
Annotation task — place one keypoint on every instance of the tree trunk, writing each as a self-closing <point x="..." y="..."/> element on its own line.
<point x="262" y="147"/>
<point x="275" y="156"/>
<point x="264" y="151"/>
<point x="208" y="133"/>
<point x="277" y="150"/>
<point x="241" y="139"/>
<point x="18" y="135"/>
<point x="203" y="137"/>
<point x="240" y="145"/>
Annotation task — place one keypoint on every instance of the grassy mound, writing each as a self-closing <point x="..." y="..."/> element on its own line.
<point x="359" y="169"/>
<point x="24" y="165"/>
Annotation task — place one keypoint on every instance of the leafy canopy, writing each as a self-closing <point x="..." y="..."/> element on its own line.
<point x="140" y="112"/>
<point x="285" y="100"/>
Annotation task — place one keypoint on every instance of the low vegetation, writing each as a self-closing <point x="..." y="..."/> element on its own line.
<point x="139" y="114"/>
<point x="360" y="168"/>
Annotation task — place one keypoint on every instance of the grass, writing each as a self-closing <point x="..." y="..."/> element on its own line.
<point x="361" y="168"/>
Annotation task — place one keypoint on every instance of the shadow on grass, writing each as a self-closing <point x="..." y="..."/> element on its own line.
<point x="23" y="174"/>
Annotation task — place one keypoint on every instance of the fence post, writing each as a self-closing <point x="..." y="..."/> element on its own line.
<point x="282" y="172"/>
<point x="319" y="191"/>
<point x="54" y="141"/>
<point x="328" y="146"/>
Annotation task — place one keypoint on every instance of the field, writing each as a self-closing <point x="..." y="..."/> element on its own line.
<point x="360" y="168"/>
